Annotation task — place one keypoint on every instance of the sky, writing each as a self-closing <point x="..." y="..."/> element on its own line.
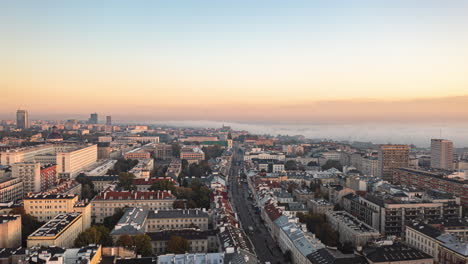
<point x="240" y="61"/>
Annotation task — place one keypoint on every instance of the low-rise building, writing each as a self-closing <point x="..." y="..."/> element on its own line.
<point x="106" y="203"/>
<point x="199" y="241"/>
<point x="351" y="229"/>
<point x="10" y="230"/>
<point x="396" y="254"/>
<point x="192" y="155"/>
<point x="133" y="222"/>
<point x="177" y="219"/>
<point x="61" y="231"/>
<point x="303" y="195"/>
<point x="320" y="206"/>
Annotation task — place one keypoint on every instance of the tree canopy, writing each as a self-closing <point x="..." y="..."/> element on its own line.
<point x="163" y="185"/>
<point x="290" y="165"/>
<point x="29" y="223"/>
<point x="126" y="181"/>
<point x="177" y="245"/>
<point x="94" y="235"/>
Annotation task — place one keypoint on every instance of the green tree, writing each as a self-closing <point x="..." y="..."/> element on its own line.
<point x="312" y="163"/>
<point x="126" y="181"/>
<point x="163" y="185"/>
<point x="87" y="187"/>
<point x="212" y="151"/>
<point x="94" y="235"/>
<point x="112" y="220"/>
<point x="332" y="164"/>
<point x="125" y="241"/>
<point x="177" y="245"/>
<point x="143" y="245"/>
<point x="290" y="165"/>
<point x="122" y="165"/>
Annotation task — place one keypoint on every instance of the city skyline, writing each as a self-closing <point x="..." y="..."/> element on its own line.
<point x="220" y="61"/>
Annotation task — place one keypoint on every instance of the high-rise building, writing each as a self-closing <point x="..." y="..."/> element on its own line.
<point x="392" y="157"/>
<point x="22" y="119"/>
<point x="442" y="154"/>
<point x="93" y="118"/>
<point x="108" y="120"/>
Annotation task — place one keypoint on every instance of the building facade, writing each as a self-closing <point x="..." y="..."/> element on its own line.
<point x="392" y="157"/>
<point x="11" y="189"/>
<point x="71" y="162"/>
<point x="10" y="230"/>
<point x="442" y="154"/>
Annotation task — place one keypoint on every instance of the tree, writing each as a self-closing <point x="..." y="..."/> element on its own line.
<point x="175" y="150"/>
<point x="87" y="187"/>
<point x="122" y="165"/>
<point x="332" y="164"/>
<point x="143" y="245"/>
<point x="125" y="241"/>
<point x="163" y="185"/>
<point x="290" y="165"/>
<point x="29" y="223"/>
<point x="94" y="235"/>
<point x="112" y="220"/>
<point x="177" y="245"/>
<point x="312" y="163"/>
<point x="212" y="151"/>
<point x="126" y="181"/>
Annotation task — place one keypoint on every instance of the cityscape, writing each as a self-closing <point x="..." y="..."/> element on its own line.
<point x="208" y="132"/>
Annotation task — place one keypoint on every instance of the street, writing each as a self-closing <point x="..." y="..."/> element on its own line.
<point x="265" y="247"/>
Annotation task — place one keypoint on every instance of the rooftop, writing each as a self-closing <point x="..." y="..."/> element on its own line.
<point x="46" y="196"/>
<point x="395" y="252"/>
<point x="55" y="226"/>
<point x="135" y="195"/>
<point x="178" y="213"/>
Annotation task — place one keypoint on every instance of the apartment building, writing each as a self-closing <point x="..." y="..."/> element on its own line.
<point x="10" y="230"/>
<point x="35" y="178"/>
<point x="11" y="189"/>
<point x="61" y="231"/>
<point x="46" y="206"/>
<point x="106" y="203"/>
<point x="199" y="241"/>
<point x="143" y="168"/>
<point x="396" y="253"/>
<point x="319" y="206"/>
<point x="433" y="180"/>
<point x="136" y="155"/>
<point x="73" y="161"/>
<point x="392" y="157"/>
<point x="192" y="155"/>
<point x="177" y="219"/>
<point x="351" y="229"/>
<point x="163" y="151"/>
<point x="439" y="239"/>
<point x="442" y="154"/>
<point x="388" y="213"/>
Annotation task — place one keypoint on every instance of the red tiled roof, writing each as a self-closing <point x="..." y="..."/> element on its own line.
<point x="135" y="195"/>
<point x="272" y="211"/>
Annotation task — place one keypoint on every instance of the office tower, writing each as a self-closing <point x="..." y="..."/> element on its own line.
<point x="22" y="120"/>
<point x="108" y="120"/>
<point x="442" y="154"/>
<point x="93" y="119"/>
<point x="392" y="157"/>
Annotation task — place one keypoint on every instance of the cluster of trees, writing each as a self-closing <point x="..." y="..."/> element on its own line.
<point x="140" y="243"/>
<point x="212" y="152"/>
<point x="29" y="223"/>
<point x="175" y="149"/>
<point x="332" y="164"/>
<point x="316" y="224"/>
<point x="87" y="187"/>
<point x="122" y="165"/>
<point x="163" y="185"/>
<point x="177" y="245"/>
<point x="196" y="195"/>
<point x="94" y="235"/>
<point x="194" y="169"/>
<point x="126" y="181"/>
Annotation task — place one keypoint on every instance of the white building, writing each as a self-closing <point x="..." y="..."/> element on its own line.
<point x="72" y="161"/>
